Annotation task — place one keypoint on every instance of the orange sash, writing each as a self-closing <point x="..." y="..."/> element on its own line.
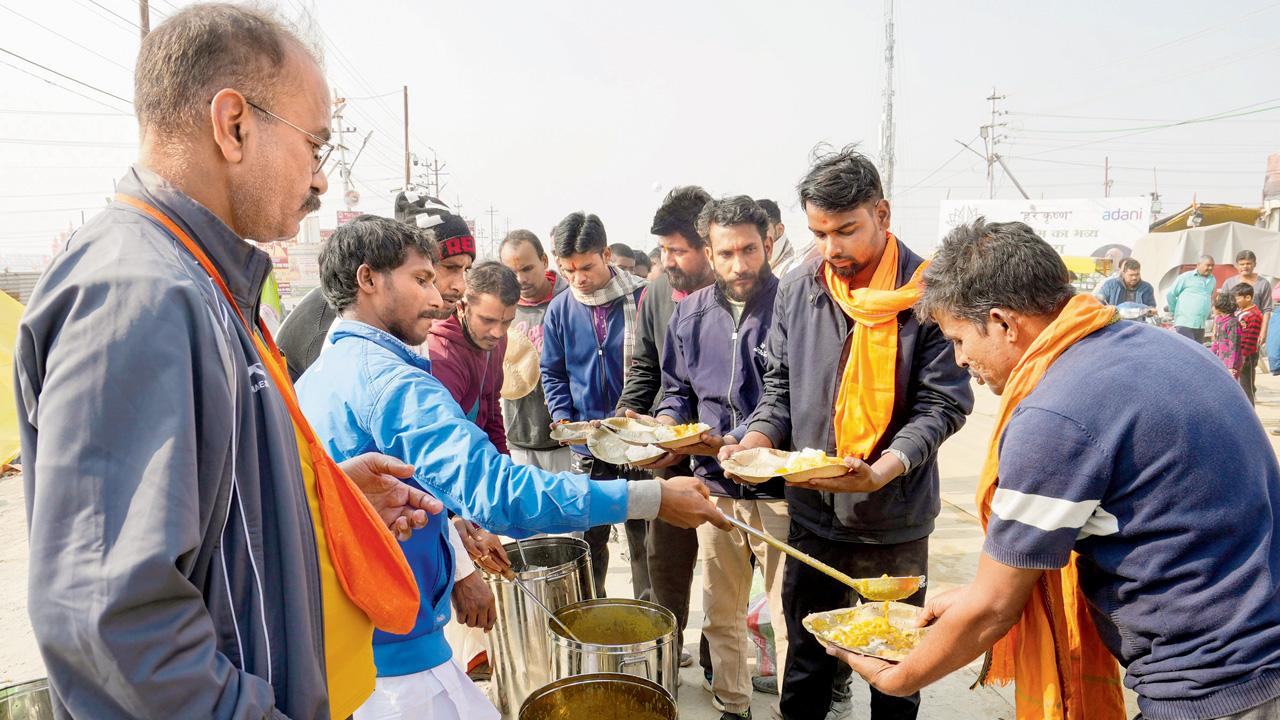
<point x="1059" y="666"/>
<point x="369" y="563"/>
<point x="864" y="403"/>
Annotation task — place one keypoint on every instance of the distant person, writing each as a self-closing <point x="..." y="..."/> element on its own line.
<point x="527" y="418"/>
<point x="1250" y="318"/>
<point x="1226" y="334"/>
<point x="1127" y="287"/>
<point x="656" y="268"/>
<point x="1191" y="298"/>
<point x="623" y="257"/>
<point x="644" y="264"/>
<point x="783" y="255"/>
<point x="1263" y="289"/>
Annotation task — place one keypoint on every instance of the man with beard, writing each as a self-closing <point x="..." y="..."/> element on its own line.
<point x="588" y="338"/>
<point x="466" y="348"/>
<point x="670" y="553"/>
<point x="843" y="331"/>
<point x="714" y="329"/>
<point x="527" y="419"/>
<point x="370" y="390"/>
<point x="194" y="551"/>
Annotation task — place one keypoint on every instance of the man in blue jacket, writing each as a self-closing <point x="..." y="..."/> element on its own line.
<point x="588" y="341"/>
<point x="1127" y="287"/>
<point x="877" y="518"/>
<point x="713" y="366"/>
<point x="370" y="390"/>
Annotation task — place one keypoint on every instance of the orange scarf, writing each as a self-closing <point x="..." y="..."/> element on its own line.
<point x="864" y="404"/>
<point x="366" y="558"/>
<point x="1059" y="666"/>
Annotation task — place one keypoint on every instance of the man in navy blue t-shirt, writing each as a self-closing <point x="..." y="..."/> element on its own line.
<point x="1158" y="475"/>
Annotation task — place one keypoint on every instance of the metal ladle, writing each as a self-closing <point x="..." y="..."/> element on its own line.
<point x="510" y="575"/>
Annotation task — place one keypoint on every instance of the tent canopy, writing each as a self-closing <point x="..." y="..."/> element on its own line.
<point x="1163" y="254"/>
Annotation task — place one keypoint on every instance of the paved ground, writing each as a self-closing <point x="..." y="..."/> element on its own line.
<point x="954" y="552"/>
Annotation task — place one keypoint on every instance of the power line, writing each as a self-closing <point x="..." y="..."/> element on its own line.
<point x="1206" y="171"/>
<point x="64" y="37"/>
<point x="1161" y="126"/>
<point x="935" y="171"/>
<point x="67" y="143"/>
<point x="113" y="12"/>
<point x="13" y="111"/>
<point x="113" y="21"/>
<point x="63" y="75"/>
<point x="63" y="87"/>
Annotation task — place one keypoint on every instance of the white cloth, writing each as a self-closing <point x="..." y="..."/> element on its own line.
<point x="463" y="565"/>
<point x="442" y="693"/>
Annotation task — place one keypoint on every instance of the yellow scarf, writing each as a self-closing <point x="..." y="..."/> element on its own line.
<point x="1059" y="666"/>
<point x="864" y="404"/>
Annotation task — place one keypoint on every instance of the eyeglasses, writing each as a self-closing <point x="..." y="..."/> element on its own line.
<point x="323" y="148"/>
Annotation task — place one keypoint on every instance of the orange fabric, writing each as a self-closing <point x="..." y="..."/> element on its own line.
<point x="864" y="403"/>
<point x="370" y="566"/>
<point x="1059" y="666"/>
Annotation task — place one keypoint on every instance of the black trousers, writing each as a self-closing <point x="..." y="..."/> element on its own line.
<point x="811" y="672"/>
<point x="1196" y="334"/>
<point x="598" y="537"/>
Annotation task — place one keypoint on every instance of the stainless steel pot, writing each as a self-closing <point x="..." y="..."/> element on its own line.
<point x="558" y="571"/>
<point x="26" y="701"/>
<point x="617" y="636"/>
<point x="600" y="696"/>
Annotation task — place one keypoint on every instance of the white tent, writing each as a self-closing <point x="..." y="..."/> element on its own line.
<point x="1163" y="254"/>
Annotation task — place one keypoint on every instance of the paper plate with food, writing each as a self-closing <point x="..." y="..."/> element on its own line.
<point x="865" y="630"/>
<point x="607" y="446"/>
<point x="678" y="436"/>
<point x="571" y="433"/>
<point x="637" y="430"/>
<point x="762" y="464"/>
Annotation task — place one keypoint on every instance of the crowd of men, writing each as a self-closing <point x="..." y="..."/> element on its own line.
<point x="208" y="541"/>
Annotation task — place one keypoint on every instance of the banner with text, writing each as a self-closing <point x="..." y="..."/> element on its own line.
<point x="1096" y="227"/>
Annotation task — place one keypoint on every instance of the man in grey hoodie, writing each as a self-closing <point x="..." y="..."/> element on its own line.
<point x="527" y="420"/>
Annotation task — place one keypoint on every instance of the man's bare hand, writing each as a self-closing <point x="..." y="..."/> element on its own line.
<point x="686" y="503"/>
<point x="861" y="478"/>
<point x="708" y="445"/>
<point x="878" y="673"/>
<point x="403" y="507"/>
<point x="474" y="602"/>
<point x="482" y="545"/>
<point x="664" y="460"/>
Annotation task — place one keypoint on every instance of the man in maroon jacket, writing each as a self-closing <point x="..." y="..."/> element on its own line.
<point x="466" y="349"/>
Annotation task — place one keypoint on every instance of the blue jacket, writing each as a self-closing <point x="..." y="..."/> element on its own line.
<point x="932" y="396"/>
<point x="369" y="392"/>
<point x="1112" y="292"/>
<point x="713" y="372"/>
<point x="581" y="377"/>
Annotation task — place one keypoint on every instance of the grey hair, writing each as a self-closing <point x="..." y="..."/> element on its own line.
<point x="982" y="266"/>
<point x="203" y="49"/>
<point x="733" y="210"/>
<point x="493" y="278"/>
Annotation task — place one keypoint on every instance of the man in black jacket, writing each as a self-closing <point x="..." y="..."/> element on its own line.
<point x="671" y="551"/>
<point x="877" y="518"/>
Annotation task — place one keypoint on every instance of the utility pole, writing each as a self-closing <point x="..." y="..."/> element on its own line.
<point x="349" y="194"/>
<point x="491" y="212"/>
<point x="407" y="180"/>
<point x="435" y="169"/>
<point x="990" y="138"/>
<point x="1106" y="176"/>
<point x="144" y="18"/>
<point x="886" y="123"/>
<point x="1156" y="206"/>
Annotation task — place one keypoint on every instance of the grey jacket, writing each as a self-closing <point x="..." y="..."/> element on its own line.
<point x="643" y="390"/>
<point x="173" y="557"/>
<point x="932" y="396"/>
<point x="527" y="420"/>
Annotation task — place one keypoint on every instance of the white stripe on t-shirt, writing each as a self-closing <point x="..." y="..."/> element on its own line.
<point x="1050" y="513"/>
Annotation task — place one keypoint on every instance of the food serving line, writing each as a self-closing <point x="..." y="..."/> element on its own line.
<point x="558" y="651"/>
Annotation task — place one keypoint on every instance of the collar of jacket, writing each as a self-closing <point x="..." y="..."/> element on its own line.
<point x="244" y="267"/>
<point x="765" y="286"/>
<point x="381" y="338"/>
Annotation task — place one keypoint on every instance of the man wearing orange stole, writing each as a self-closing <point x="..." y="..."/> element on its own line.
<point x="1115" y="528"/>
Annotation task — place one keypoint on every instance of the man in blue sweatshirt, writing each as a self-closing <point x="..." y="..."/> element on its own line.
<point x="369" y="389"/>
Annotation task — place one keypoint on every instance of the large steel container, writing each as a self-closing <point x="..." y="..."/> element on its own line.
<point x="600" y="696"/>
<point x="617" y="636"/>
<point x="26" y="701"/>
<point x="558" y="571"/>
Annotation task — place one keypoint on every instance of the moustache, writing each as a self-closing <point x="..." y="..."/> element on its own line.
<point x="312" y="204"/>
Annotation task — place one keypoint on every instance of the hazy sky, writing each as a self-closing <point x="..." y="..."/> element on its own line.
<point x="542" y="108"/>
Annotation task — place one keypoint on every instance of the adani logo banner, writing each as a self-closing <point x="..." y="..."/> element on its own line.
<point x="1096" y="227"/>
